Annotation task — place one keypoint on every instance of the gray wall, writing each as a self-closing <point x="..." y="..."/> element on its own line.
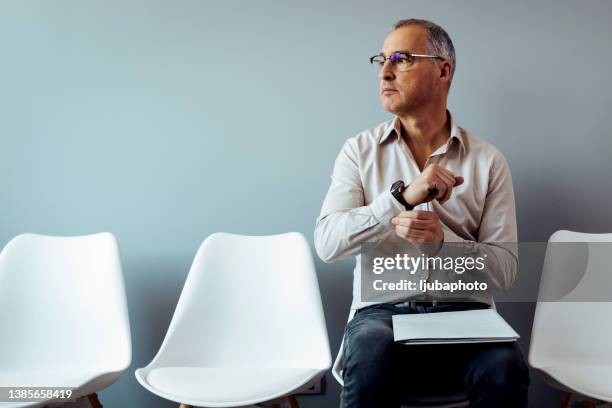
<point x="164" y="122"/>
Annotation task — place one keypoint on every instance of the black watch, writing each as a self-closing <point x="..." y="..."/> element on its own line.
<point x="397" y="189"/>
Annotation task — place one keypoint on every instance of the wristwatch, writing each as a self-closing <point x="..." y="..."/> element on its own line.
<point x="397" y="189"/>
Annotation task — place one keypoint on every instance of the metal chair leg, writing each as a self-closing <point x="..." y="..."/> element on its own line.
<point x="566" y="400"/>
<point x="94" y="401"/>
<point x="293" y="403"/>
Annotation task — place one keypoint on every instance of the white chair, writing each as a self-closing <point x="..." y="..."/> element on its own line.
<point x="64" y="315"/>
<point x="248" y="327"/>
<point x="572" y="334"/>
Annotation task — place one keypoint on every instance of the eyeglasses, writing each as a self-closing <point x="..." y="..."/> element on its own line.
<point x="401" y="60"/>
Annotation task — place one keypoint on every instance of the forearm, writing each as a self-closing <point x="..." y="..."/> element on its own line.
<point x="339" y="233"/>
<point x="500" y="259"/>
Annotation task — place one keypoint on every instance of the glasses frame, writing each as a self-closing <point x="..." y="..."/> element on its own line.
<point x="394" y="56"/>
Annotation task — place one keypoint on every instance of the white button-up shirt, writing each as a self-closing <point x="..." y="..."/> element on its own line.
<point x="358" y="207"/>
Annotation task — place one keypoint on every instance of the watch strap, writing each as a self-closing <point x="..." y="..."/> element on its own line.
<point x="397" y="190"/>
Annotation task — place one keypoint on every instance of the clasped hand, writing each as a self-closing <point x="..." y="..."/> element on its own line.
<point x="423" y="228"/>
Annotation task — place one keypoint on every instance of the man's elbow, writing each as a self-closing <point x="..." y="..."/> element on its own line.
<point x="510" y="272"/>
<point x="323" y="250"/>
<point x="326" y="250"/>
<point x="325" y="255"/>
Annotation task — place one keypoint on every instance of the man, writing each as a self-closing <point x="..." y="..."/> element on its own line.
<point x="462" y="191"/>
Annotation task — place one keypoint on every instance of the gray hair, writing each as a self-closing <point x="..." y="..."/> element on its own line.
<point x="440" y="42"/>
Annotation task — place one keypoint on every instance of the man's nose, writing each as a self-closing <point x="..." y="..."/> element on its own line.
<point x="386" y="71"/>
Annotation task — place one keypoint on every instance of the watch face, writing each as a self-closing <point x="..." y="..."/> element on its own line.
<point x="397" y="187"/>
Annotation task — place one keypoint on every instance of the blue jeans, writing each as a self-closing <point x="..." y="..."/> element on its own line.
<point x="379" y="373"/>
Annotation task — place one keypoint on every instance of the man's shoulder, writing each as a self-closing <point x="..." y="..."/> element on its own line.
<point x="479" y="147"/>
<point x="370" y="137"/>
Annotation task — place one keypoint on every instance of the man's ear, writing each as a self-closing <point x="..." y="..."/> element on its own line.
<point x="445" y="71"/>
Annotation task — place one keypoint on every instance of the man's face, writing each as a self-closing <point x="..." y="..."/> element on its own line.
<point x="404" y="92"/>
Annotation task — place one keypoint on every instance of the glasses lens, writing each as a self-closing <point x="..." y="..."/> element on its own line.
<point x="402" y="60"/>
<point x="377" y="61"/>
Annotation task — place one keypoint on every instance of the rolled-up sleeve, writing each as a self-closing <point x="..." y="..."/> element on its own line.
<point x="346" y="221"/>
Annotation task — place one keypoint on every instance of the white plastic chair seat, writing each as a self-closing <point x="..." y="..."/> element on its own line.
<point x="224" y="387"/>
<point x="248" y="327"/>
<point x="65" y="377"/>
<point x="586" y="379"/>
<point x="22" y="404"/>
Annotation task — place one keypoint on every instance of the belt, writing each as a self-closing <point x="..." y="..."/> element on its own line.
<point x="431" y="303"/>
<point x="427" y="303"/>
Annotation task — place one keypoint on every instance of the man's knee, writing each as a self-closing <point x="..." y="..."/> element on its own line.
<point x="371" y="336"/>
<point x="369" y="344"/>
<point x="503" y="368"/>
<point x="368" y="364"/>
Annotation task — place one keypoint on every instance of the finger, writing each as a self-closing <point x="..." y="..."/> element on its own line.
<point x="456" y="181"/>
<point x="439" y="180"/>
<point x="408" y="233"/>
<point x="448" y="177"/>
<point x="432" y="193"/>
<point x="437" y="169"/>
<point x="442" y="200"/>
<point x="434" y="187"/>
<point x="418" y="214"/>
<point x="448" y="194"/>
<point x="415" y="237"/>
<point x="447" y="172"/>
<point x="443" y="184"/>
<point x="412" y="223"/>
<point x="450" y="182"/>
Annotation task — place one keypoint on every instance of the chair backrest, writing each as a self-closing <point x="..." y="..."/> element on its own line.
<point x="575" y="327"/>
<point x="63" y="304"/>
<point x="249" y="301"/>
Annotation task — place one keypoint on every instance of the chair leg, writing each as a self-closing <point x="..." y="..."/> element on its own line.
<point x="94" y="401"/>
<point x="566" y="400"/>
<point x="293" y="402"/>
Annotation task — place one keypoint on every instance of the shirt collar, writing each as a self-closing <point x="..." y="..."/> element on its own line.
<point x="393" y="129"/>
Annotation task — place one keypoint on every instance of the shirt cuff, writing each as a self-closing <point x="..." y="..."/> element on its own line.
<point x="385" y="206"/>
